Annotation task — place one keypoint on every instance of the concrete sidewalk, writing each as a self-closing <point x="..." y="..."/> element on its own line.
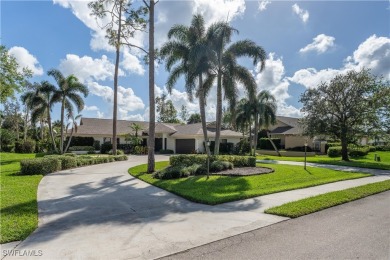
<point x="330" y="166"/>
<point x="100" y="212"/>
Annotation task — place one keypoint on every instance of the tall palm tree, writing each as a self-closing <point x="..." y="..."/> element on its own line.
<point x="27" y="99"/>
<point x="264" y="111"/>
<point x="244" y="117"/>
<point x="74" y="125"/>
<point x="225" y="69"/>
<point x="187" y="49"/>
<point x="67" y="94"/>
<point x="41" y="106"/>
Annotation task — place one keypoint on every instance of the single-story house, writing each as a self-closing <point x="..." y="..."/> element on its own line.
<point x="180" y="138"/>
<point x="291" y="133"/>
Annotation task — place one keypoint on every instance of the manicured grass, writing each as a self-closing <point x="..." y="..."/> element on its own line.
<point x="364" y="161"/>
<point x="18" y="209"/>
<point x="220" y="189"/>
<point x="306" y="206"/>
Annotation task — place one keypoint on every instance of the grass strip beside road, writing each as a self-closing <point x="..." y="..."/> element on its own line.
<point x="220" y="189"/>
<point x="316" y="203"/>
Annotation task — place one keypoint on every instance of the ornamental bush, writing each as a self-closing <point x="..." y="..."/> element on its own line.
<point x="39" y="166"/>
<point x="334" y="151"/>
<point x="105" y="148"/>
<point x="167" y="151"/>
<point x="190" y="159"/>
<point x="27" y="146"/>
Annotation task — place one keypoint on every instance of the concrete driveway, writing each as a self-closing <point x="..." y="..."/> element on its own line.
<point x="101" y="212"/>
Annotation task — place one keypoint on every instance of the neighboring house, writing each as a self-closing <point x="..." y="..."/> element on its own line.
<point x="177" y="137"/>
<point x="290" y="133"/>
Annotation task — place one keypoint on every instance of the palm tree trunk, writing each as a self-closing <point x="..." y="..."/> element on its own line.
<point x="256" y="133"/>
<point x="70" y="139"/>
<point x="218" y="114"/>
<point x="152" y="108"/>
<point x="115" y="110"/>
<point x="62" y="126"/>
<point x="51" y="129"/>
<point x="25" y="124"/>
<point x="41" y="130"/>
<point x="203" y="113"/>
<point x="250" y="136"/>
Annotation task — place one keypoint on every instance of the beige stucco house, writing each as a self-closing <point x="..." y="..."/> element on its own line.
<point x="290" y="133"/>
<point x="180" y="138"/>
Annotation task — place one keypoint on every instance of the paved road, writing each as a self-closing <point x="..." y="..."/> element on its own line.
<point x="356" y="230"/>
<point x="101" y="212"/>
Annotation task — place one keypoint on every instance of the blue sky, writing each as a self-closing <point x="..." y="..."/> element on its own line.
<point x="307" y="42"/>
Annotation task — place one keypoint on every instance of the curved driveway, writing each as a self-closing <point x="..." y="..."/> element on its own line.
<point x="102" y="212"/>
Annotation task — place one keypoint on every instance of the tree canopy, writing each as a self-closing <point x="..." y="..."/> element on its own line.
<point x="351" y="105"/>
<point x="11" y="79"/>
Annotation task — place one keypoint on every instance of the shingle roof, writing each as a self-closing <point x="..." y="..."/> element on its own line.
<point x="98" y="126"/>
<point x="293" y="127"/>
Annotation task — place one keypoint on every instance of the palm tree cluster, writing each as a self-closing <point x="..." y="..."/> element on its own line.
<point x="41" y="98"/>
<point x="208" y="58"/>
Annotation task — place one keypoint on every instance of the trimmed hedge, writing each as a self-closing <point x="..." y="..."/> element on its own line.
<point x="40" y="166"/>
<point x="334" y="151"/>
<point x="105" y="148"/>
<point x="190" y="159"/>
<point x="300" y="149"/>
<point x="53" y="163"/>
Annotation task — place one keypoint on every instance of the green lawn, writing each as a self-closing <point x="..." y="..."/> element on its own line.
<point x="306" y="206"/>
<point x="220" y="189"/>
<point x="18" y="209"/>
<point x="364" y="162"/>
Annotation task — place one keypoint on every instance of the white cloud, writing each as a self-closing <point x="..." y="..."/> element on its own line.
<point x="373" y="53"/>
<point x="303" y="14"/>
<point x="219" y="10"/>
<point x="91" y="108"/>
<point x="273" y="79"/>
<point x="86" y="68"/>
<point x="321" y="43"/>
<point x="127" y="100"/>
<point x="131" y="63"/>
<point x="99" y="114"/>
<point x="311" y="78"/>
<point x="263" y="5"/>
<point x="26" y="60"/>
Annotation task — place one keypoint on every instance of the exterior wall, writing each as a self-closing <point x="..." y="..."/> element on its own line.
<point x="171" y="144"/>
<point x="294" y="140"/>
<point x="286" y="153"/>
<point x="282" y="139"/>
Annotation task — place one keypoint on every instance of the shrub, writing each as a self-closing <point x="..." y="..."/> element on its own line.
<point x="216" y="166"/>
<point x="371" y="148"/>
<point x="67" y="162"/>
<point x="333" y="144"/>
<point x="105" y="148"/>
<point x="125" y="147"/>
<point x="7" y="140"/>
<point x="118" y="152"/>
<point x="167" y="151"/>
<point x="120" y="157"/>
<point x="383" y="148"/>
<point x="226" y="148"/>
<point x="70" y="154"/>
<point x="242" y="147"/>
<point x="40" y="166"/>
<point x="227" y="165"/>
<point x="201" y="170"/>
<point x="266" y="144"/>
<point x="190" y="159"/>
<point x="358" y="152"/>
<point x="171" y="172"/>
<point x="27" y="146"/>
<point x="334" y="151"/>
<point x="140" y="150"/>
<point x="82" y="148"/>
